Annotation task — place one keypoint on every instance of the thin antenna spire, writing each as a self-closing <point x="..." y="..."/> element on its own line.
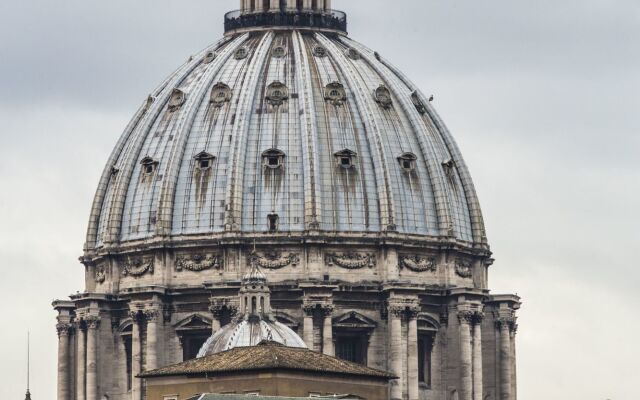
<point x="28" y="395"/>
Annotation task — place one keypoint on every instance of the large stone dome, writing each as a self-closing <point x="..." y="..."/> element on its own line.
<point x="288" y="131"/>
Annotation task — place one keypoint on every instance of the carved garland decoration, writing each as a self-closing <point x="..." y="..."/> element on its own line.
<point x="101" y="274"/>
<point x="198" y="262"/>
<point x="275" y="259"/>
<point x="463" y="268"/>
<point x="418" y="263"/>
<point x="351" y="260"/>
<point x="137" y="267"/>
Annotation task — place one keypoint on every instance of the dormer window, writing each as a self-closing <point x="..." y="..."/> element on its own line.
<point x="345" y="158"/>
<point x="353" y="54"/>
<point x="273" y="159"/>
<point x="408" y="161"/>
<point x="220" y="94"/>
<point x="177" y="99"/>
<point x="319" y="51"/>
<point x="415" y="99"/>
<point x="149" y="165"/>
<point x="273" y="221"/>
<point x="204" y="160"/>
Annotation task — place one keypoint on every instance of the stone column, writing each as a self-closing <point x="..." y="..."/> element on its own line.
<point x="413" y="384"/>
<point x="514" y="377"/>
<point x="327" y="5"/>
<point x="503" y="325"/>
<point x="395" y="360"/>
<point x="64" y="367"/>
<point x="136" y="358"/>
<point x="92" y="357"/>
<point x="291" y="5"/>
<point x="80" y="360"/>
<point x="307" y="327"/>
<point x="306" y="5"/>
<point x="274" y="6"/>
<point x="152" y="316"/>
<point x="477" y="356"/>
<point x="327" y="331"/>
<point x="466" y="380"/>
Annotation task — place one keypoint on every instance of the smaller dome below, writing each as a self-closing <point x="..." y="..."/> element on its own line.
<point x="250" y="331"/>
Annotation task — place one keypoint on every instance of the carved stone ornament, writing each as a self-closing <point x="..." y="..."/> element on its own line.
<point x="137" y="267"/>
<point x="277" y="93"/>
<point x="64" y="329"/>
<point x="417" y="263"/>
<point x="449" y="168"/>
<point x="101" y="274"/>
<point x="418" y="103"/>
<point x="351" y="260"/>
<point x="274" y="259"/>
<point x="319" y="51"/>
<point x="335" y="93"/>
<point x="463" y="268"/>
<point x="465" y="317"/>
<point x="220" y="94"/>
<point x="198" y="262"/>
<point x="382" y="96"/>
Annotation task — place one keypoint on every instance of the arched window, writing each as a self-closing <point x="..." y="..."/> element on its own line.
<point x="253" y="305"/>
<point x="272" y="221"/>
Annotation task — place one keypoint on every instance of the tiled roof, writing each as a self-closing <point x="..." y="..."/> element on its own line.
<point x="266" y="356"/>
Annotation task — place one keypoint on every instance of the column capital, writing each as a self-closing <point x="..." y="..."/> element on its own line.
<point x="217" y="306"/>
<point x="64" y="329"/>
<point x="327" y="310"/>
<point x="92" y="321"/>
<point x="466" y="316"/>
<point x="151" y="314"/>
<point x="505" y="322"/>
<point x="477" y="318"/>
<point x="309" y="309"/>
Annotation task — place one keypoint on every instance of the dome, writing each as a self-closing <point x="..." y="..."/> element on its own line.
<point x="288" y="131"/>
<point x="250" y="332"/>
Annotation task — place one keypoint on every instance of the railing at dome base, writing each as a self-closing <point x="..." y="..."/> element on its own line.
<point x="328" y="19"/>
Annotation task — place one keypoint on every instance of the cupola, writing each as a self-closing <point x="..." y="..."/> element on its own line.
<point x="289" y="14"/>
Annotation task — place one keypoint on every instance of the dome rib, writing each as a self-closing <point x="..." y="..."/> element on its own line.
<point x="194" y="102"/>
<point x="234" y="194"/>
<point x="123" y="179"/>
<point x="365" y="103"/>
<point x="442" y="198"/>
<point x="313" y="208"/>
<point x="478" y="228"/>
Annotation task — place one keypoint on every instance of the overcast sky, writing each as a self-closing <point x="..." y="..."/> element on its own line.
<point x="542" y="96"/>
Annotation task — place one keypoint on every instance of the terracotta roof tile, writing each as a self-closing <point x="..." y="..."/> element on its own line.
<point x="266" y="356"/>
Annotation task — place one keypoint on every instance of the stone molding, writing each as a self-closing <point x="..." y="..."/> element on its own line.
<point x="463" y="268"/>
<point x="351" y="260"/>
<point x="417" y="263"/>
<point x="274" y="259"/>
<point x="137" y="267"/>
<point x="199" y="262"/>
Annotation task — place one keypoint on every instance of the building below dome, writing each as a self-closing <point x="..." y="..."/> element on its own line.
<point x="256" y="322"/>
<point x="268" y="369"/>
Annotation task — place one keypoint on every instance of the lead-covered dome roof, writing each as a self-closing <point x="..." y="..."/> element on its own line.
<point x="287" y="131"/>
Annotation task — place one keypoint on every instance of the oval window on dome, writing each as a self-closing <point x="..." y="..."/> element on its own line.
<point x="241" y="53"/>
<point x="220" y="94"/>
<point x="382" y="96"/>
<point x="319" y="51"/>
<point x="277" y="93"/>
<point x="279" y="51"/>
<point x="177" y="99"/>
<point x="353" y="54"/>
<point x="210" y="56"/>
<point x="335" y="93"/>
